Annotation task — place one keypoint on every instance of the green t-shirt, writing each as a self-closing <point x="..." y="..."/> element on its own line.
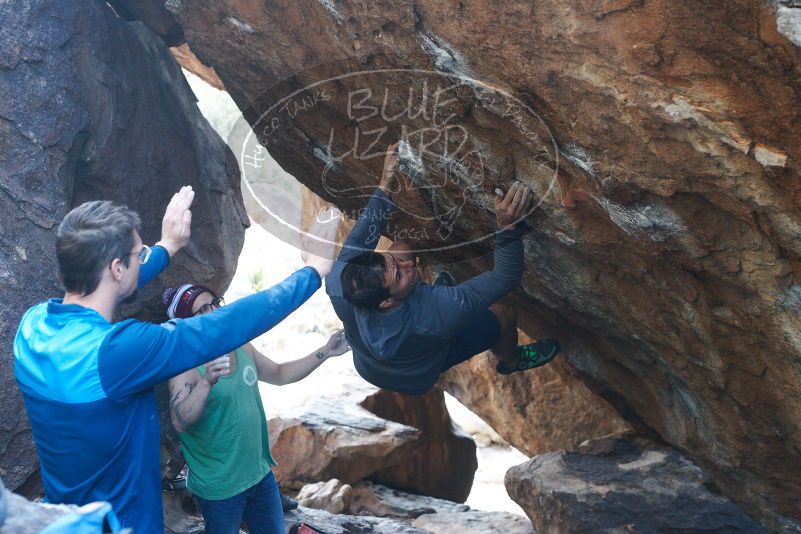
<point x="228" y="448"/>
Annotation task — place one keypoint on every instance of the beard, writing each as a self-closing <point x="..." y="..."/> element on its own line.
<point x="130" y="298"/>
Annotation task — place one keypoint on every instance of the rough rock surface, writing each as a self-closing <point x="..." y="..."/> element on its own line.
<point x="94" y="107"/>
<point x="332" y="496"/>
<point x="346" y="524"/>
<point x="366" y="498"/>
<point x="191" y="63"/>
<point x="405" y="442"/>
<point x="622" y="484"/>
<point x="181" y="515"/>
<point x="336" y="440"/>
<point x="544" y="410"/>
<point x="445" y="457"/>
<point x="27" y="517"/>
<point x="155" y="15"/>
<point x="474" y="522"/>
<point x="665" y="254"/>
<point x="427" y="513"/>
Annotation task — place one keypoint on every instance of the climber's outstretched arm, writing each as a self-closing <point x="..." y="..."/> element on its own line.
<point x="456" y="306"/>
<point x="374" y="218"/>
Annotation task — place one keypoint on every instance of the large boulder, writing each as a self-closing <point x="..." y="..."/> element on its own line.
<point x="427" y="513"/>
<point x="547" y="409"/>
<point x="346" y="524"/>
<point x="474" y="522"/>
<point x="26" y="517"/>
<point x="361" y="432"/>
<point x="366" y="498"/>
<point x="444" y="460"/>
<point x="663" y="138"/>
<point x="622" y="484"/>
<point x="94" y="107"/>
<point x="327" y="440"/>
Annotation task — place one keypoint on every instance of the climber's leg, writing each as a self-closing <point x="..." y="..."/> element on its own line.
<point x="532" y="356"/>
<point x="491" y="329"/>
<point x="505" y="350"/>
<point x="513" y="357"/>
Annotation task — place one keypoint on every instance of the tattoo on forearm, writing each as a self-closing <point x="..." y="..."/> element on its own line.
<point x="177" y="399"/>
<point x="320" y="355"/>
<point x="181" y="421"/>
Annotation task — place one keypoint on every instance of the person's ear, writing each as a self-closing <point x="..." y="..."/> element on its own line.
<point x="116" y="268"/>
<point x="386" y="303"/>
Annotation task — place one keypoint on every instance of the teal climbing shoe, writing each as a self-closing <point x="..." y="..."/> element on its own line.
<point x="532" y="355"/>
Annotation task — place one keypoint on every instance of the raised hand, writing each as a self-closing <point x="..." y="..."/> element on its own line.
<point x="337" y="344"/>
<point x="389" y="175"/>
<point x="318" y="245"/>
<point x="177" y="222"/>
<point x="217" y="368"/>
<point x="512" y="207"/>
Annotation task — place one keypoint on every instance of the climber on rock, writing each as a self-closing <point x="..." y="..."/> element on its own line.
<point x="88" y="381"/>
<point x="404" y="332"/>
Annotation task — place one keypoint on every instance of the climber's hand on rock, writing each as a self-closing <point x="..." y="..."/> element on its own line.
<point x="389" y="176"/>
<point x="512" y="207"/>
<point x="177" y="222"/>
<point x="318" y="246"/>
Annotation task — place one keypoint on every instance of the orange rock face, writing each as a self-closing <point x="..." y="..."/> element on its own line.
<point x="444" y="462"/>
<point x="406" y="442"/>
<point x="188" y="61"/>
<point x="663" y="138"/>
<point x="538" y="411"/>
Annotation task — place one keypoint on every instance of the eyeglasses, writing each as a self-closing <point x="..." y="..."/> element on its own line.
<point x="143" y="254"/>
<point x="210" y="306"/>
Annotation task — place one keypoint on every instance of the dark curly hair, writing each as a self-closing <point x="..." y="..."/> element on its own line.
<point x="363" y="280"/>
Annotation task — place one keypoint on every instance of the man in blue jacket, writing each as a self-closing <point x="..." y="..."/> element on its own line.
<point x="88" y="383"/>
<point x="403" y="332"/>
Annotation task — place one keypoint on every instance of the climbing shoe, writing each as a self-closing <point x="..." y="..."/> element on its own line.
<point x="444" y="278"/>
<point x="531" y="356"/>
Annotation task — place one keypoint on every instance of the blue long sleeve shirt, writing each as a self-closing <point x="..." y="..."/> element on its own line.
<point x="88" y="388"/>
<point x="404" y="349"/>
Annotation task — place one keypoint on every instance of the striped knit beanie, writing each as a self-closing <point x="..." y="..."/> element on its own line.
<point x="179" y="300"/>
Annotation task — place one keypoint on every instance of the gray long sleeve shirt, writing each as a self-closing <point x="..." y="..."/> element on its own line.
<point x="404" y="349"/>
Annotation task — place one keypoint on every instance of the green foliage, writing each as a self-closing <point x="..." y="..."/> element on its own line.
<point x="257" y="280"/>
